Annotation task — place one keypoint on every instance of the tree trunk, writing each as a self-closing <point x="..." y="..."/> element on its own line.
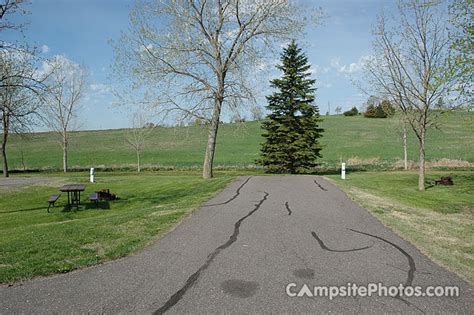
<point x="23" y="161"/>
<point x="4" y="144"/>
<point x="65" y="145"/>
<point x="211" y="139"/>
<point x="405" y="147"/>
<point x="138" y="161"/>
<point x="421" y="175"/>
<point x="4" y="154"/>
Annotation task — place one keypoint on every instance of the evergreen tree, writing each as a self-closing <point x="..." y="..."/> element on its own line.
<point x="388" y="108"/>
<point x="291" y="129"/>
<point x="371" y="111"/>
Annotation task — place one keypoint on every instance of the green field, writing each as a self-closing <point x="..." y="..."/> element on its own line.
<point x="363" y="140"/>
<point x="438" y="221"/>
<point x="34" y="242"/>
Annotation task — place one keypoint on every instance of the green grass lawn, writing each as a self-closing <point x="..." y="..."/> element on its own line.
<point x="238" y="144"/>
<point x="439" y="221"/>
<point x="34" y="242"/>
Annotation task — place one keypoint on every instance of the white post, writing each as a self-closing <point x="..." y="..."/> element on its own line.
<point x="92" y="175"/>
<point x="343" y="171"/>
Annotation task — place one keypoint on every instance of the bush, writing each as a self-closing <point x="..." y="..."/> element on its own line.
<point x="379" y="112"/>
<point x="388" y="108"/>
<point x="371" y="111"/>
<point x="352" y="112"/>
<point x="383" y="110"/>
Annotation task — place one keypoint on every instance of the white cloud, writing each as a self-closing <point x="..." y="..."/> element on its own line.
<point x="335" y="62"/>
<point x="351" y="68"/>
<point x="317" y="69"/>
<point x="265" y="65"/>
<point x="66" y="66"/>
<point x="100" y="88"/>
<point x="45" y="49"/>
<point x="145" y="48"/>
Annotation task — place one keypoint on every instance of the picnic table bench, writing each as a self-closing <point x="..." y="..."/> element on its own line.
<point x="52" y="200"/>
<point x="94" y="197"/>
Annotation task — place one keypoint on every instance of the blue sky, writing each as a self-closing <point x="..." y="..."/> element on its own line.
<point x="80" y="30"/>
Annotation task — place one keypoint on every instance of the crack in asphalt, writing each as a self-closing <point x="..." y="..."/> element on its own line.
<point x="176" y="297"/>
<point x="288" y="208"/>
<point x="411" y="263"/>
<point x="319" y="185"/>
<point x="401" y="269"/>
<point x="237" y="193"/>
<point x="323" y="246"/>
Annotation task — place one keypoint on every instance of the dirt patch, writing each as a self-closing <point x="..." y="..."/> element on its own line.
<point x="6" y="266"/>
<point x="166" y="212"/>
<point x="28" y="181"/>
<point x="360" y="161"/>
<point x="95" y="247"/>
<point x="449" y="163"/>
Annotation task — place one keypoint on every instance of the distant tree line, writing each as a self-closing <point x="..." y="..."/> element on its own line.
<point x="351" y="112"/>
<point x="383" y="109"/>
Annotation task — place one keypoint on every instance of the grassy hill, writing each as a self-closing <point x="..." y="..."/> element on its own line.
<point x="360" y="139"/>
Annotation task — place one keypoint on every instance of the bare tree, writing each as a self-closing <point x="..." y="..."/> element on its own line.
<point x="403" y="133"/>
<point x="19" y="96"/>
<point x="20" y="85"/>
<point x="23" y="137"/>
<point x="8" y="8"/>
<point x="195" y="56"/>
<point x="67" y="85"/>
<point x="411" y="67"/>
<point x="17" y="58"/>
<point x="462" y="46"/>
<point x="137" y="136"/>
<point x="257" y="112"/>
<point x="338" y="110"/>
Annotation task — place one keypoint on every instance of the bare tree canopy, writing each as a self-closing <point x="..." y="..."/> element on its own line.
<point x="256" y="112"/>
<point x="8" y="8"/>
<point x="411" y="65"/>
<point x="24" y="74"/>
<point x="191" y="57"/>
<point x="462" y="44"/>
<point x="20" y="95"/>
<point x="137" y="136"/>
<point x="66" y="90"/>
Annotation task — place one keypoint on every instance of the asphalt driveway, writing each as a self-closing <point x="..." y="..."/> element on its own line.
<point x="240" y="252"/>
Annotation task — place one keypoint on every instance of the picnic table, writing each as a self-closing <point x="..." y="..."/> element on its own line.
<point x="73" y="194"/>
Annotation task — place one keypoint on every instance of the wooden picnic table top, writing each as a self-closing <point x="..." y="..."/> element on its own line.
<point x="73" y="187"/>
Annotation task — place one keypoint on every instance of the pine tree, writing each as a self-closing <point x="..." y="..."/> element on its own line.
<point x="371" y="111"/>
<point x="291" y="129"/>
